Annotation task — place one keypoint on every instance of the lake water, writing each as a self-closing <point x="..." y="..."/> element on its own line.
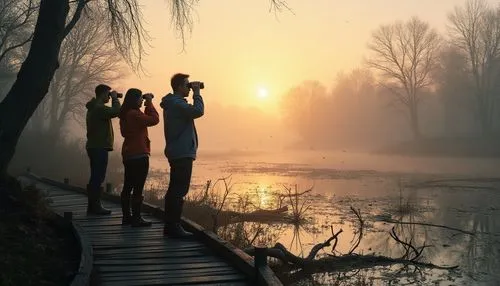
<point x="380" y="187"/>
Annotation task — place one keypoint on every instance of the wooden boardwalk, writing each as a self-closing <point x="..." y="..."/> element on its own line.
<point x="126" y="256"/>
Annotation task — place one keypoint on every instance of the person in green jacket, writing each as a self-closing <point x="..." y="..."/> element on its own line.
<point x="100" y="139"/>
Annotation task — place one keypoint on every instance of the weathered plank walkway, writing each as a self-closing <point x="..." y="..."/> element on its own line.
<point x="126" y="256"/>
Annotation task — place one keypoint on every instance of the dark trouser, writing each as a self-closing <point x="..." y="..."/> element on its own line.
<point x="136" y="171"/>
<point x="98" y="165"/>
<point x="180" y="179"/>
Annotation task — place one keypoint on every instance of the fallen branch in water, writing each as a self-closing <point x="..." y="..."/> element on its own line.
<point x="351" y="260"/>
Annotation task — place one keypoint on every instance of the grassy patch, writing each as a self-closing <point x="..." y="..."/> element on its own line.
<point x="34" y="250"/>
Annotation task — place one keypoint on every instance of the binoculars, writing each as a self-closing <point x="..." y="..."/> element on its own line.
<point x="202" y="85"/>
<point x="120" y="95"/>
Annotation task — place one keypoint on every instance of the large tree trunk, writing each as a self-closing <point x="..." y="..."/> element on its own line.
<point x="33" y="79"/>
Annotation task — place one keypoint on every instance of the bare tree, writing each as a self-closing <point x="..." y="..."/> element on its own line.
<point x="86" y="59"/>
<point x="405" y="54"/>
<point x="34" y="77"/>
<point x="16" y="24"/>
<point x="475" y="29"/>
<point x="16" y="27"/>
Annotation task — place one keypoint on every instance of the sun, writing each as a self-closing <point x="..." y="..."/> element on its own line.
<point x="262" y="92"/>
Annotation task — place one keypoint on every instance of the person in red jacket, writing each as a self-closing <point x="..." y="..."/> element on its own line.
<point x="135" y="152"/>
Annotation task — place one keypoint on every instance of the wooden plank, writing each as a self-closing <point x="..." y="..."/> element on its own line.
<point x="84" y="216"/>
<point x="98" y="245"/>
<point x="102" y="222"/>
<point x="233" y="283"/>
<point x="132" y="239"/>
<point x="176" y="281"/>
<point x="156" y="261"/>
<point x="115" y="223"/>
<point x="64" y="200"/>
<point x="124" y="230"/>
<point x="112" y="216"/>
<point x="82" y="209"/>
<point x="166" y="267"/>
<point x="152" y="255"/>
<point x="166" y="277"/>
<point x="66" y="196"/>
<point x="186" y="272"/>
<point x="76" y="204"/>
<point x="99" y="232"/>
<point x="90" y="220"/>
<point x="55" y="197"/>
<point x="154" y="249"/>
<point x="83" y="206"/>
<point x="128" y="235"/>
<point x="57" y="192"/>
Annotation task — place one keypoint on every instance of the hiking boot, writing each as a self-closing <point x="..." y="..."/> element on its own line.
<point x="175" y="230"/>
<point x="94" y="206"/>
<point x="137" y="220"/>
<point x="125" y="203"/>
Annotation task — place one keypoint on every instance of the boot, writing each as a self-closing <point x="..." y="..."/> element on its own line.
<point x="173" y="227"/>
<point x="94" y="206"/>
<point x="125" y="202"/>
<point x="175" y="230"/>
<point x="137" y="220"/>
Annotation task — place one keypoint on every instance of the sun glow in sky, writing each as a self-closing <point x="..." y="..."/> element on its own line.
<point x="262" y="92"/>
<point x="236" y="45"/>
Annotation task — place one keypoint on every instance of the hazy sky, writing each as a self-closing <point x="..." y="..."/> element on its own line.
<point x="238" y="46"/>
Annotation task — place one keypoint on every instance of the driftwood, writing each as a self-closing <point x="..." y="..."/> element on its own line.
<point x="351" y="260"/>
<point x="205" y="215"/>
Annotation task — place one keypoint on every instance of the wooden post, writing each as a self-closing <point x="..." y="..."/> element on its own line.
<point x="68" y="216"/>
<point x="66" y="181"/>
<point x="109" y="188"/>
<point x="260" y="260"/>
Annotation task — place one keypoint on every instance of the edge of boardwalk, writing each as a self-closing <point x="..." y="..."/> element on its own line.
<point x="241" y="260"/>
<point x="83" y="275"/>
<point x="85" y="267"/>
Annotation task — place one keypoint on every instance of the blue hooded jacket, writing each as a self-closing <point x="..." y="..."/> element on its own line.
<point x="178" y="121"/>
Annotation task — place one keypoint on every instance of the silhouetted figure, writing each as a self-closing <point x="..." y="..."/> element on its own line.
<point x="100" y="139"/>
<point x="181" y="146"/>
<point x="135" y="152"/>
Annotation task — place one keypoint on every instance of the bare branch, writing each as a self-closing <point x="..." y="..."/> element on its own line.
<point x="76" y="16"/>
<point x="16" y="19"/>
<point x="127" y="30"/>
<point x="360" y="230"/>
<point x="314" y="251"/>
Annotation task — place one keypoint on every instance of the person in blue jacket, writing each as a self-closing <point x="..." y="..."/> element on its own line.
<point x="181" y="146"/>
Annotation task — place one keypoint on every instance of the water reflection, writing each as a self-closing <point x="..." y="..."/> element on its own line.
<point x="378" y="196"/>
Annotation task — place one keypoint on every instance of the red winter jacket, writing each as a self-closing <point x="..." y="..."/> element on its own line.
<point x="134" y="129"/>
